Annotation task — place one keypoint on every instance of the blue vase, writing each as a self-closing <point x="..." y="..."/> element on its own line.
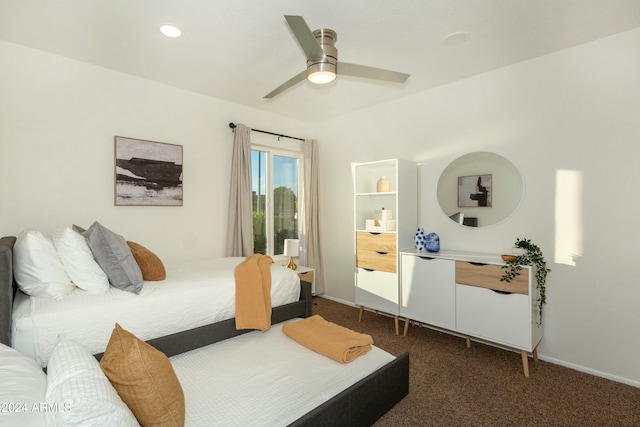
<point x="420" y="239"/>
<point x="433" y="242"/>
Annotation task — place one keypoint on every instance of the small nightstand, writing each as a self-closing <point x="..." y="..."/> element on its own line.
<point x="307" y="274"/>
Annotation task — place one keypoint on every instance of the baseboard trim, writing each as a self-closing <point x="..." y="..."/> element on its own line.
<point x="341" y="301"/>
<point x="590" y="371"/>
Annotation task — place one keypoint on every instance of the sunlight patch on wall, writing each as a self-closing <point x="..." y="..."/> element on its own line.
<point x="568" y="217"/>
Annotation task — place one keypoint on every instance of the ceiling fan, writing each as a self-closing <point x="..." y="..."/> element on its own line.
<point x="322" y="59"/>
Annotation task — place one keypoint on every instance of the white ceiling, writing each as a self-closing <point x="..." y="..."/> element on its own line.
<point x="239" y="50"/>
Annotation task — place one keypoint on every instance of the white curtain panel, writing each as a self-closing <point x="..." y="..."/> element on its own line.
<point x="310" y="248"/>
<point x="240" y="223"/>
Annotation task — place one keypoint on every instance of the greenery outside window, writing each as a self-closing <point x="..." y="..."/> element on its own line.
<point x="276" y="176"/>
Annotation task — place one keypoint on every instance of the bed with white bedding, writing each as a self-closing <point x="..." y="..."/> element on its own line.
<point x="239" y="371"/>
<point x="357" y="401"/>
<point x="193" y="294"/>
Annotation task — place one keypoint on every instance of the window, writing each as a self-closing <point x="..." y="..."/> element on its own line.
<point x="275" y="175"/>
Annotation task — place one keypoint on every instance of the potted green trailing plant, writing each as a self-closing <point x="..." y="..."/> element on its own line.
<point x="532" y="256"/>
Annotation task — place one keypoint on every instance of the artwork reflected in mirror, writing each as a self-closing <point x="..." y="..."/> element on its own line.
<point x="474" y="190"/>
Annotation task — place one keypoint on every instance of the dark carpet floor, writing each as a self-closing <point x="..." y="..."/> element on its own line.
<point x="452" y="385"/>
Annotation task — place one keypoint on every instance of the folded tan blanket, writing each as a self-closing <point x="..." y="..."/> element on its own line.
<point x="331" y="340"/>
<point x="253" y="293"/>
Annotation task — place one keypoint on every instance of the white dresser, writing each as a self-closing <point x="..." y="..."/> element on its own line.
<point x="462" y="292"/>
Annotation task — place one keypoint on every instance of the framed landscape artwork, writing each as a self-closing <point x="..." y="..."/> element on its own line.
<point x="147" y="173"/>
<point x="475" y="191"/>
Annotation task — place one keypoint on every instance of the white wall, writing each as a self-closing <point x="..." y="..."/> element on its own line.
<point x="570" y="122"/>
<point x="58" y="118"/>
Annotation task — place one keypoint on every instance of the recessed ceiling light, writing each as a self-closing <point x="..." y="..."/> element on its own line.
<point x="170" y="30"/>
<point x="456" y="39"/>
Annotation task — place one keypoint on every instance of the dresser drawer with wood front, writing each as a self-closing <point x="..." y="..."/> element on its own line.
<point x="376" y="251"/>
<point x="379" y="261"/>
<point x="488" y="276"/>
<point x="379" y="242"/>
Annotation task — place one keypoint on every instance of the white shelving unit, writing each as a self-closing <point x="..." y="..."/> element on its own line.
<point x="377" y="252"/>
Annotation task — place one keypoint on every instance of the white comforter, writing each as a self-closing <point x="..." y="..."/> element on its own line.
<point x="263" y="379"/>
<point x="193" y="294"/>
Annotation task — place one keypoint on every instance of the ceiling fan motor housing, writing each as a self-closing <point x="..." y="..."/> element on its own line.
<point x="328" y="63"/>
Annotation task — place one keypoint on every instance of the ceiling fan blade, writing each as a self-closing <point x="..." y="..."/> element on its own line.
<point x="286" y="85"/>
<point x="305" y="37"/>
<point x="346" y="69"/>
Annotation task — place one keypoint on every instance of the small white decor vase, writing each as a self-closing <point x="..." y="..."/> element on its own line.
<point x="383" y="185"/>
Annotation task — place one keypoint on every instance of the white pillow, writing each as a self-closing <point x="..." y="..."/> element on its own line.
<point x="76" y="382"/>
<point x="23" y="387"/>
<point x="37" y="267"/>
<point x="78" y="260"/>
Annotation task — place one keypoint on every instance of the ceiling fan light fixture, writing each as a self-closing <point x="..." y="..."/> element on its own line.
<point x="324" y="70"/>
<point x="321" y="73"/>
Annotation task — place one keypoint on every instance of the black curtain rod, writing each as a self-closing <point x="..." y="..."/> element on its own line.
<point x="233" y="126"/>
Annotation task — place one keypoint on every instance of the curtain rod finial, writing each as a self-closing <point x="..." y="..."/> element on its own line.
<point x="232" y="125"/>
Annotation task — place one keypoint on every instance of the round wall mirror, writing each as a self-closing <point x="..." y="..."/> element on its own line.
<point x="480" y="189"/>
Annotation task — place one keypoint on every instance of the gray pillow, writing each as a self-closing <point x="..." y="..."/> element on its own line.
<point x="114" y="256"/>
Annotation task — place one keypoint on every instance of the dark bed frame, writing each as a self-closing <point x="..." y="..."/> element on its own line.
<point x="359" y="405"/>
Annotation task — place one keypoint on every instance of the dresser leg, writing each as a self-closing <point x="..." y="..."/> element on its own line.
<point x="535" y="354"/>
<point x="525" y="363"/>
<point x="406" y="326"/>
<point x="360" y="314"/>
<point x="397" y="324"/>
<point x="468" y="341"/>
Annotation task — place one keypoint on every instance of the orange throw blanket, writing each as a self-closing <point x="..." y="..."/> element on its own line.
<point x="253" y="293"/>
<point x="331" y="340"/>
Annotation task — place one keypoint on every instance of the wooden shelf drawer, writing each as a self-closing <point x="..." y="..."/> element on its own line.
<point x="488" y="276"/>
<point x="380" y="242"/>
<point x="372" y="260"/>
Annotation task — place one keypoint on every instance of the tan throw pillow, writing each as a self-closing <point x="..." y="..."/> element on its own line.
<point x="144" y="379"/>
<point x="149" y="263"/>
